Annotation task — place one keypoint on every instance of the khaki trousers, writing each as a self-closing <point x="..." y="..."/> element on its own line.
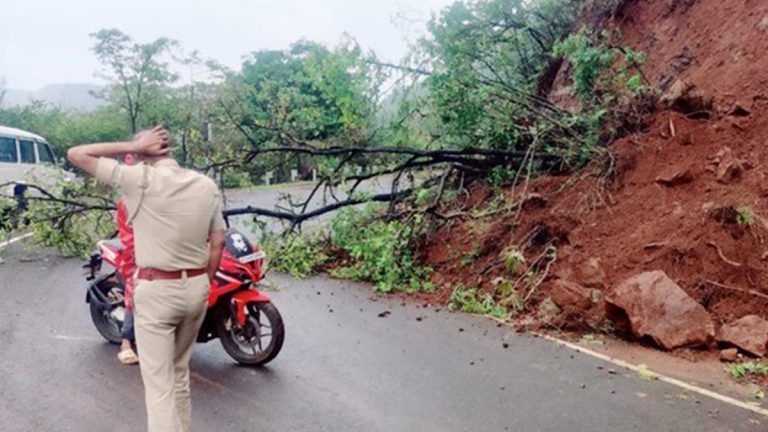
<point x="168" y="315"/>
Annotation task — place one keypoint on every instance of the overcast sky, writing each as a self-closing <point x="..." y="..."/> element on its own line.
<point x="47" y="41"/>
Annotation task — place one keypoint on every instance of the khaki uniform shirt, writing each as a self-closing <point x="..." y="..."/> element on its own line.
<point x="172" y="210"/>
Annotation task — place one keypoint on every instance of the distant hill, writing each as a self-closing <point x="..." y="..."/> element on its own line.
<point x="77" y="96"/>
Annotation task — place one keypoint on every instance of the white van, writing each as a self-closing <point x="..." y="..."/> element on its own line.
<point x="26" y="158"/>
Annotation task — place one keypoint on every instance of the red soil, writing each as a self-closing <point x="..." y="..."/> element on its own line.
<point x="717" y="45"/>
<point x="625" y="217"/>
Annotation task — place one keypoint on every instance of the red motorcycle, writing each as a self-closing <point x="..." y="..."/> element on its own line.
<point x="239" y="314"/>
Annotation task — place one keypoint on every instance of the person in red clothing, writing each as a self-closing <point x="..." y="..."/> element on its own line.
<point x="127" y="269"/>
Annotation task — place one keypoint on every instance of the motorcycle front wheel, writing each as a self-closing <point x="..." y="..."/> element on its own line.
<point x="106" y="316"/>
<point x="259" y="340"/>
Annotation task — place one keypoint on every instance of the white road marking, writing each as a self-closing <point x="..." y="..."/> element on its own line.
<point x="660" y="377"/>
<point x="15" y="239"/>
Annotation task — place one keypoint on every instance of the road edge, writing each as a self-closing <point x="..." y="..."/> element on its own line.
<point x="661" y="377"/>
<point x="15" y="239"/>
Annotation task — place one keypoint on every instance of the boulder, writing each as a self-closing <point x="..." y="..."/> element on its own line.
<point x="748" y="333"/>
<point x="658" y="308"/>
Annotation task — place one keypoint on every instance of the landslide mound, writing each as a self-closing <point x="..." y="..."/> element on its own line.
<point x="687" y="195"/>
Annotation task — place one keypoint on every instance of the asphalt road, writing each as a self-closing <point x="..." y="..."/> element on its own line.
<point x="343" y="368"/>
<point x="267" y="197"/>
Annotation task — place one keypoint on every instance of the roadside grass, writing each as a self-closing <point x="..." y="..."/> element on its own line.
<point x="590" y="339"/>
<point x="748" y="369"/>
<point x="471" y="300"/>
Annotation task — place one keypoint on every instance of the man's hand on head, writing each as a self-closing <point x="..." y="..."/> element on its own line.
<point x="153" y="143"/>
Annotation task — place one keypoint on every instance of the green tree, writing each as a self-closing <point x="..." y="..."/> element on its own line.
<point x="136" y="71"/>
<point x="64" y="128"/>
<point x="488" y="61"/>
<point x="308" y="94"/>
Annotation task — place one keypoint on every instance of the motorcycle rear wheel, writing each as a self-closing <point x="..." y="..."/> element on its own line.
<point x="245" y="344"/>
<point x="108" y="327"/>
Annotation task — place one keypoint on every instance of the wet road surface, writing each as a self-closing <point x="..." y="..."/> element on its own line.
<point x="343" y="368"/>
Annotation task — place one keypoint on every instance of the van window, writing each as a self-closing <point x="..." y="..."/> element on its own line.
<point x="27" y="151"/>
<point x="44" y="153"/>
<point x="8" y="150"/>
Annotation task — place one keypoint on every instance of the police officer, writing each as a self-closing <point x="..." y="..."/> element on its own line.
<point x="177" y="219"/>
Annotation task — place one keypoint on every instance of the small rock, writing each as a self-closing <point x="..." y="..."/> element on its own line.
<point x="729" y="167"/>
<point x="384" y="314"/>
<point x="548" y="310"/>
<point x="726" y="215"/>
<point x="729" y="355"/>
<point x="675" y="177"/>
<point x="740" y="110"/>
<point x="764" y="23"/>
<point x="658" y="308"/>
<point x="591" y="274"/>
<point x="684" y="97"/>
<point x="676" y="91"/>
<point x="596" y="296"/>
<point x="570" y="296"/>
<point x="749" y="333"/>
